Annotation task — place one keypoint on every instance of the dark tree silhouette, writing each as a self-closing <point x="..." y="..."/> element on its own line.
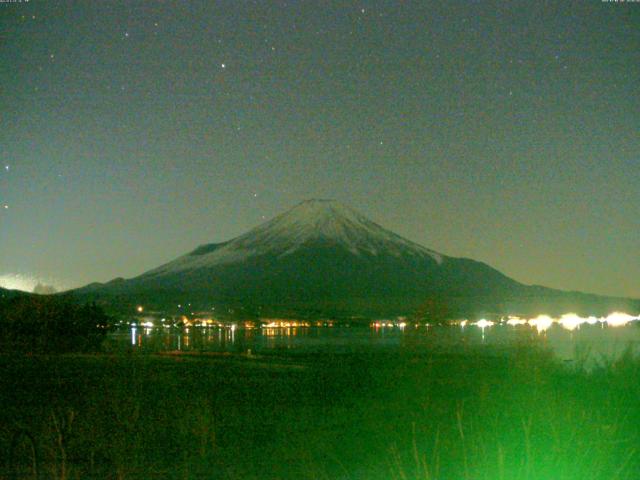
<point x="50" y="324"/>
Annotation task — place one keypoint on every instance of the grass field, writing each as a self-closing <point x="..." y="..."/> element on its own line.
<point x="509" y="414"/>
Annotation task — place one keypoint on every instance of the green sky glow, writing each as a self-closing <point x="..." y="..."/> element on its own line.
<point x="502" y="131"/>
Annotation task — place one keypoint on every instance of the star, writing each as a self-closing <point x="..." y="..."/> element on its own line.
<point x="222" y="65"/>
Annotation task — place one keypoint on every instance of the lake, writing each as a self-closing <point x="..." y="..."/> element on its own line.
<point x="597" y="342"/>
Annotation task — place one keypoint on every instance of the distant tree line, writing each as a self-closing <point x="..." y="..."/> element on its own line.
<point x="41" y="324"/>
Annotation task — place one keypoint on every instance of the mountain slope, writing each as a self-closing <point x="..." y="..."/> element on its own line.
<point x="314" y="222"/>
<point x="7" y="296"/>
<point x="323" y="258"/>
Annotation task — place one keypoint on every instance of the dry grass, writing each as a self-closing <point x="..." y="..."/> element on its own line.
<point x="513" y="414"/>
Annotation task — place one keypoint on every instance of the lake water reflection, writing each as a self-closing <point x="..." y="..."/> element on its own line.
<point x="597" y="341"/>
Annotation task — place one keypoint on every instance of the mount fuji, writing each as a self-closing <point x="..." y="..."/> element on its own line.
<point x="322" y="258"/>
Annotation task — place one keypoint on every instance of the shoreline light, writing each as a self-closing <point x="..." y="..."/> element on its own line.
<point x="571" y="321"/>
<point x="513" y="320"/>
<point x="484" y="323"/>
<point x="619" y="319"/>
<point x="541" y="322"/>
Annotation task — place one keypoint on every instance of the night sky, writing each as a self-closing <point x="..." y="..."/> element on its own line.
<point x="508" y="132"/>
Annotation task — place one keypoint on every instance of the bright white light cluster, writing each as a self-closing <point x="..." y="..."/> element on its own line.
<point x="484" y="323"/>
<point x="541" y="322"/>
<point x="568" y="321"/>
<point x="618" y="319"/>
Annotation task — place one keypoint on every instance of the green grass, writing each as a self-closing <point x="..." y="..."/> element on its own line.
<point x="509" y="414"/>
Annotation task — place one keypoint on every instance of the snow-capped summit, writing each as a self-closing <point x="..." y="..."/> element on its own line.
<point x="315" y="221"/>
<point x="330" y="221"/>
